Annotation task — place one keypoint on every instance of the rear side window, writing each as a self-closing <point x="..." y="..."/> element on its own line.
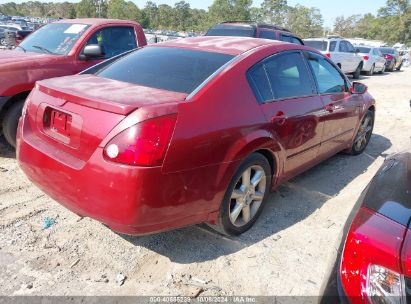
<point x="172" y="69"/>
<point x="317" y="44"/>
<point x="333" y="45"/>
<point x="287" y="76"/>
<point x="268" y="35"/>
<point x="328" y="79"/>
<point x="231" y="30"/>
<point x="258" y="81"/>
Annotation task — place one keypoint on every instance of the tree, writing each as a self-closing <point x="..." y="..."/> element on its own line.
<point x="181" y="13"/>
<point x="226" y="10"/>
<point x="91" y="9"/>
<point x="275" y="12"/>
<point x="305" y="22"/>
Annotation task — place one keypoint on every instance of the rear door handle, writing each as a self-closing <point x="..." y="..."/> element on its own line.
<point x="279" y="118"/>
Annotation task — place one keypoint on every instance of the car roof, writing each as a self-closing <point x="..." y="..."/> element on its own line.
<point x="220" y="44"/>
<point x="95" y="21"/>
<point x="256" y="24"/>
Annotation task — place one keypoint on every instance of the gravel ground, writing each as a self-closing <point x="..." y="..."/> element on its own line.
<point x="288" y="252"/>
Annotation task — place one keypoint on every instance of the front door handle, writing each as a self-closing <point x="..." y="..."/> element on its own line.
<point x="279" y="118"/>
<point x="329" y="108"/>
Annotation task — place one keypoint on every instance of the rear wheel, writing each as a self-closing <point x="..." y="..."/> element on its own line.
<point x="371" y="71"/>
<point x="363" y="134"/>
<point x="3" y="42"/>
<point x="11" y="120"/>
<point x="245" y="196"/>
<point x="357" y="73"/>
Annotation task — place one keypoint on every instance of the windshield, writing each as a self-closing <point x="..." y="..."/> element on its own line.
<point x="363" y="50"/>
<point x="172" y="69"/>
<point x="316" y="44"/>
<point x="55" y="38"/>
<point x="231" y="30"/>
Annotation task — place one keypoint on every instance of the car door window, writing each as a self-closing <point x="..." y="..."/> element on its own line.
<point x="286" y="38"/>
<point x="114" y="40"/>
<point x="268" y="35"/>
<point x="280" y="77"/>
<point x="327" y="77"/>
<point x="343" y="47"/>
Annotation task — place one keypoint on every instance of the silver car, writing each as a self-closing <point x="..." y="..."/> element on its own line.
<point x="374" y="60"/>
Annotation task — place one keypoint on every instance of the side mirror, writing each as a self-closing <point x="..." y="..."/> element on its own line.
<point x="92" y="51"/>
<point x="358" y="88"/>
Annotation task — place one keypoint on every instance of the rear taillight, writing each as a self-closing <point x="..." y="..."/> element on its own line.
<point x="143" y="144"/>
<point x="388" y="57"/>
<point x="328" y="55"/>
<point x="366" y="57"/>
<point x="371" y="265"/>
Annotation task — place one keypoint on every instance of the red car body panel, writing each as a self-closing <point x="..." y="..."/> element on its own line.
<point x="212" y="135"/>
<point x="19" y="71"/>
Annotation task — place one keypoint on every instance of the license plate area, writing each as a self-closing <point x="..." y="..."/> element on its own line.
<point x="57" y="124"/>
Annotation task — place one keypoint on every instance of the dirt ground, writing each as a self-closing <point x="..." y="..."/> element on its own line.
<point x="288" y="252"/>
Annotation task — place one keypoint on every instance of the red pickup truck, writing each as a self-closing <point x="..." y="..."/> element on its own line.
<point x="58" y="49"/>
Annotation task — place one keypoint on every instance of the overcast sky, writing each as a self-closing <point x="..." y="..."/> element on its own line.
<point x="329" y="9"/>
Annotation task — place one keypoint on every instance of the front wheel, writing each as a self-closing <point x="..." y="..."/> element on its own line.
<point x="245" y="196"/>
<point x="10" y="122"/>
<point x="363" y="136"/>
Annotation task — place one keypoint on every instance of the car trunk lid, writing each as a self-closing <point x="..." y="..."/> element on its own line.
<point x="71" y="116"/>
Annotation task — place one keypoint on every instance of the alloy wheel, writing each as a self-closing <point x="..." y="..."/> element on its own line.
<point x="364" y="133"/>
<point x="247" y="196"/>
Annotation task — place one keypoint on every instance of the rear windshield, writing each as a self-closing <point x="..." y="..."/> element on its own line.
<point x="318" y="45"/>
<point x="387" y="51"/>
<point x="231" y="30"/>
<point x="172" y="69"/>
<point x="364" y="50"/>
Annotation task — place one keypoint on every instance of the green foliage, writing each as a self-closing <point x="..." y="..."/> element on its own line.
<point x="392" y="24"/>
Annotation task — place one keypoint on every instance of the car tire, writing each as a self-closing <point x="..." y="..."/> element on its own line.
<point x="357" y="73"/>
<point x="11" y="121"/>
<point x="3" y="42"/>
<point x="239" y="209"/>
<point x="371" y="71"/>
<point x="363" y="136"/>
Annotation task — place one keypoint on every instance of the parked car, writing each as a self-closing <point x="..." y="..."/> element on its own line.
<point x="202" y="133"/>
<point x="256" y="30"/>
<point x="341" y="51"/>
<point x="63" y="48"/>
<point x="2" y="37"/>
<point x="21" y="35"/>
<point x="373" y="59"/>
<point x="393" y="58"/>
<point x="375" y="266"/>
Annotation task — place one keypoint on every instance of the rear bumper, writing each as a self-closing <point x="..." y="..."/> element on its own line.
<point x="130" y="200"/>
<point x="3" y="101"/>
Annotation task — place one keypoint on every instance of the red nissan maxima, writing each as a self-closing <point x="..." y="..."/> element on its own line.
<point x="189" y="131"/>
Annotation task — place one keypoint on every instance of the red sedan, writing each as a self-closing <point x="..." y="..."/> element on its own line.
<point x="189" y="131"/>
